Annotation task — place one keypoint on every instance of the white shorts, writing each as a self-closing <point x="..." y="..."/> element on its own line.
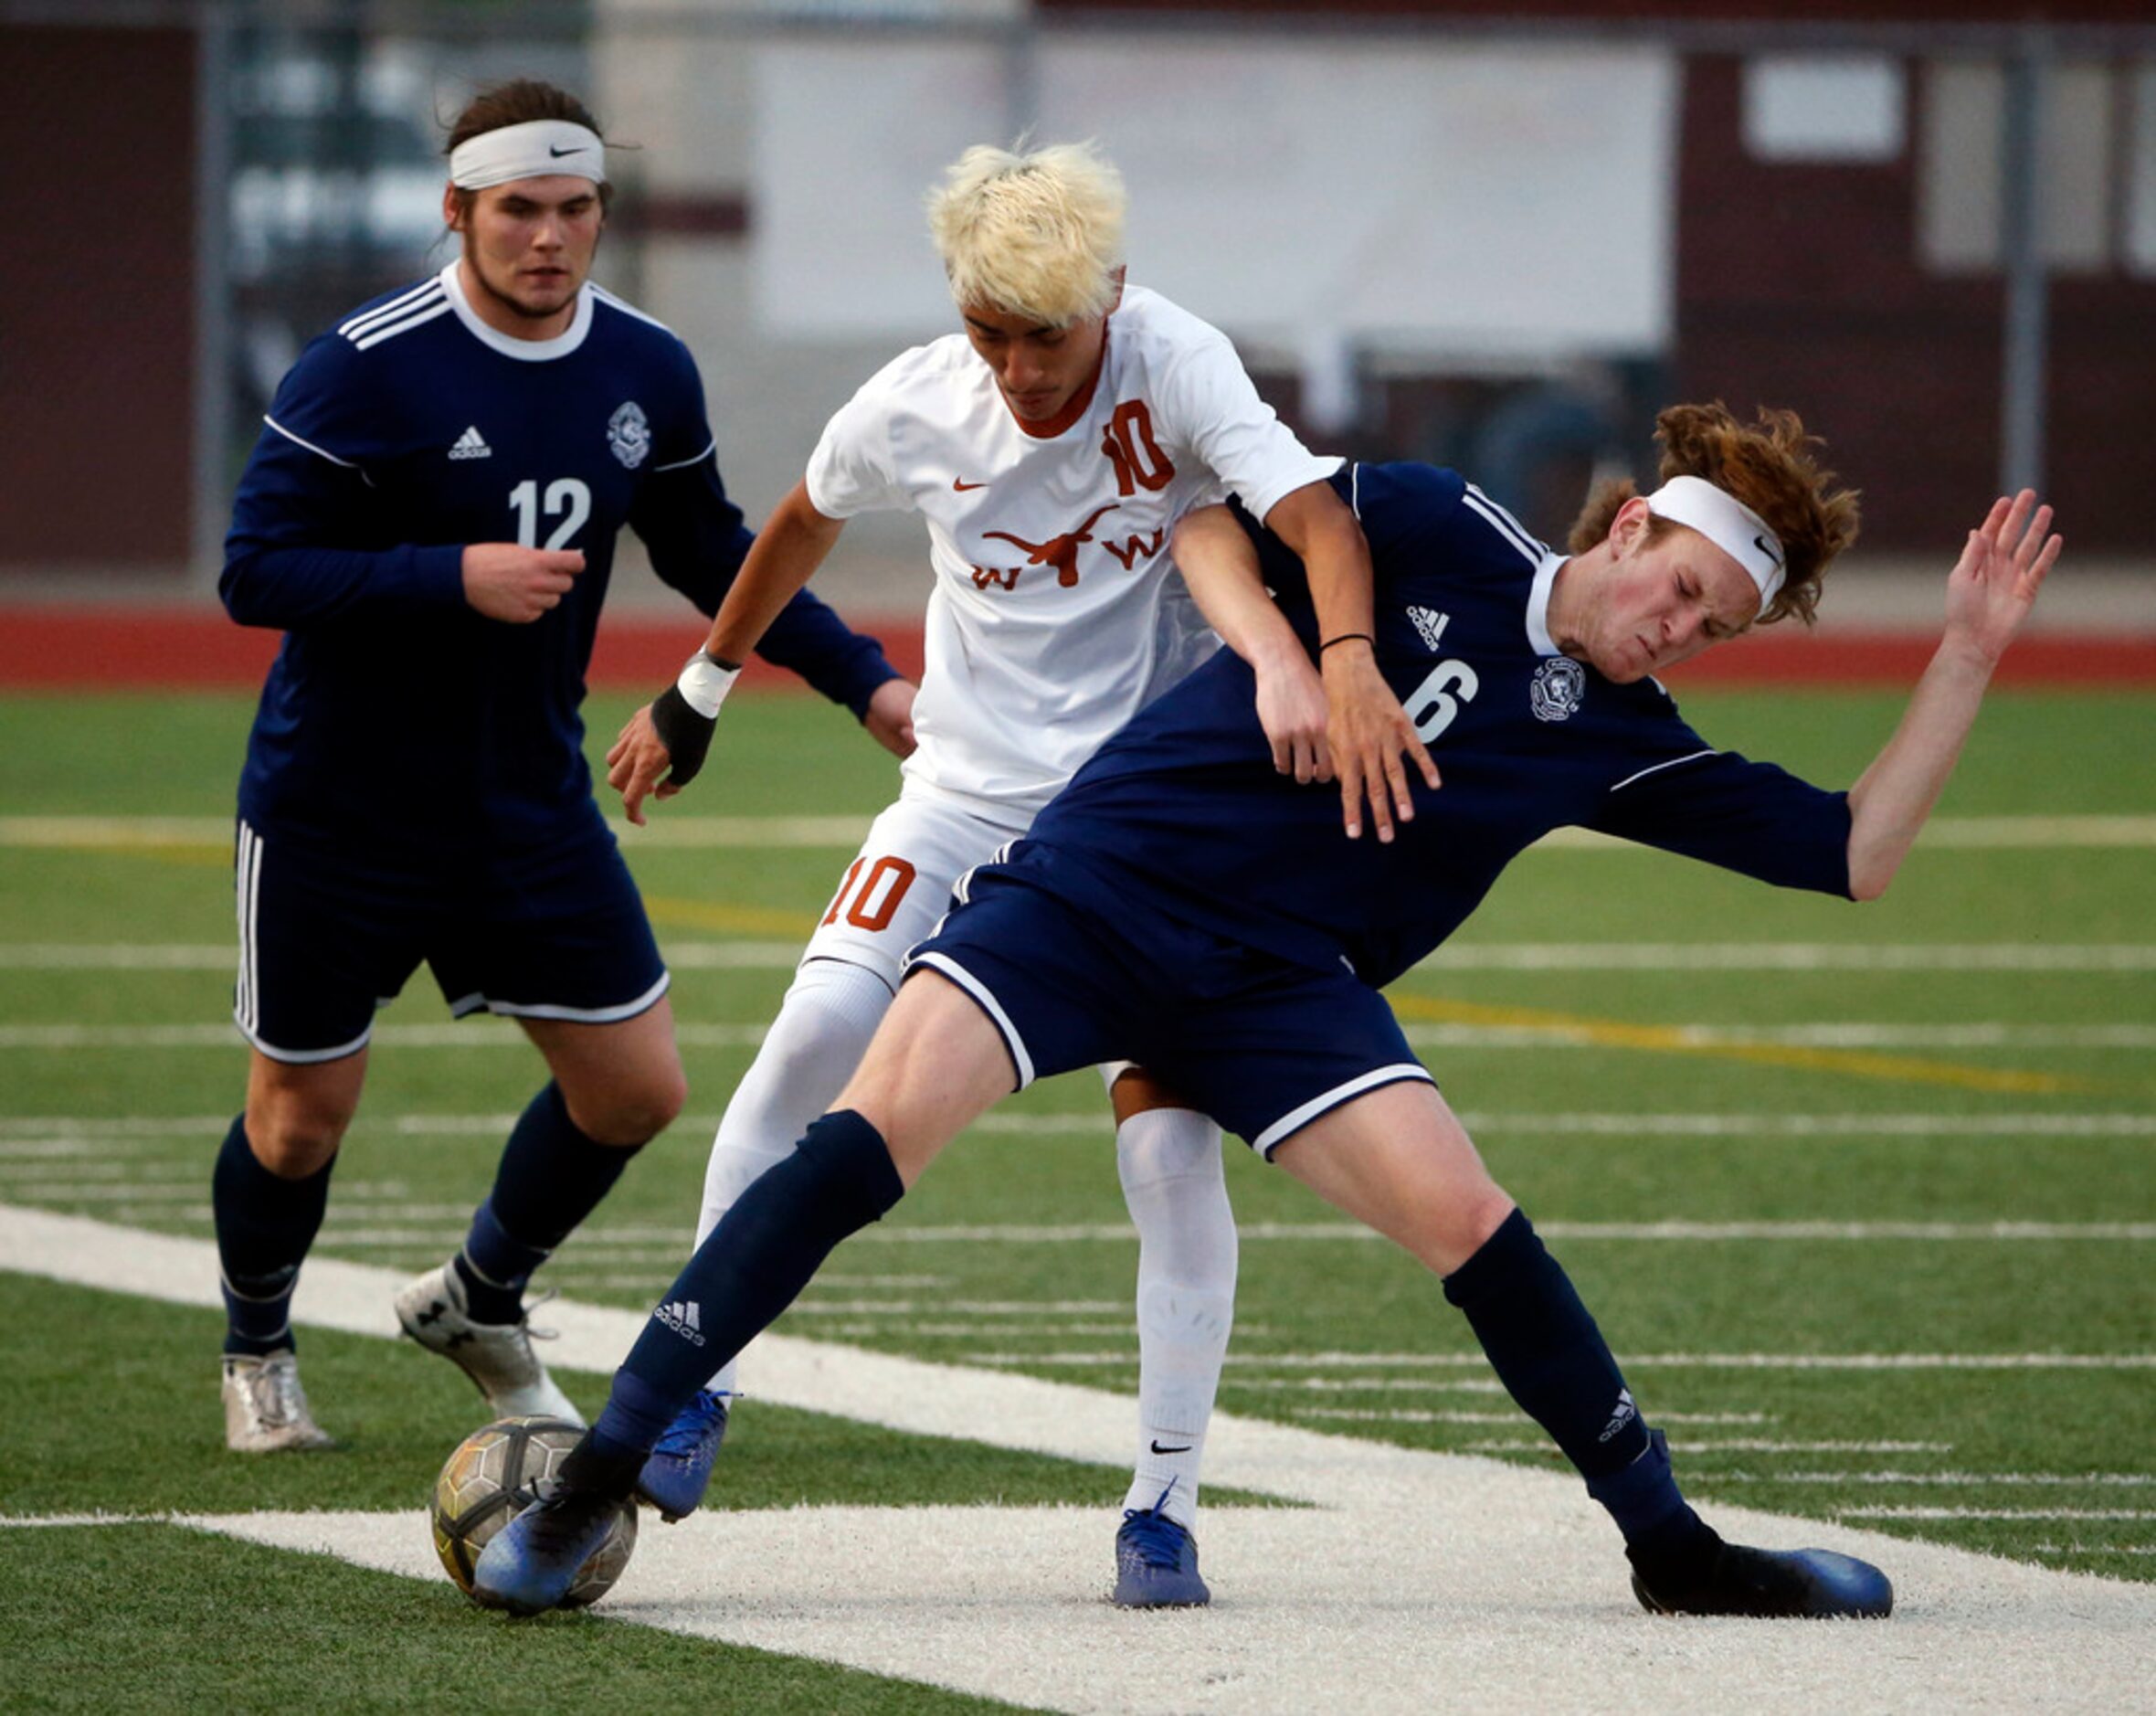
<point x="897" y="890"/>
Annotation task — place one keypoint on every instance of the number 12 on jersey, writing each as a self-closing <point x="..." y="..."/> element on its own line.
<point x="567" y="498"/>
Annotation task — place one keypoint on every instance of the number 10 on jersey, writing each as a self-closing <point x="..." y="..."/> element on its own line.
<point x="870" y="905"/>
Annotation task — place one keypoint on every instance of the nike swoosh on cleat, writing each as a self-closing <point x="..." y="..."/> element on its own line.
<point x="1184" y="1449"/>
<point x="961" y="485"/>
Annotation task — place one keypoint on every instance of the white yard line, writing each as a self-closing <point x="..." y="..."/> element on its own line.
<point x="53" y="1129"/>
<point x="1410" y="1414"/>
<point x="480" y="1033"/>
<point x="1729" y="1444"/>
<point x="1259" y="1232"/>
<point x="1951" y="1481"/>
<point x="782" y="833"/>
<point x="2124" y="958"/>
<point x="1795" y="956"/>
<point x="1494" y="1577"/>
<point x="1995" y="1513"/>
<point x="1633" y="1360"/>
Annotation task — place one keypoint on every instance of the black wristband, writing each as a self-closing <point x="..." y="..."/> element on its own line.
<point x="685" y="734"/>
<point x="1348" y="637"/>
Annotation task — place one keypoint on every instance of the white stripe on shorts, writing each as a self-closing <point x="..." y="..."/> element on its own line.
<point x="974" y="987"/>
<point x="1296" y="1119"/>
<point x="246" y="890"/>
<point x="474" y="1001"/>
<point x="306" y="1057"/>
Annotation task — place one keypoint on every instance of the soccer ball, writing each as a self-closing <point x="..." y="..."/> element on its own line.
<point x="492" y="1477"/>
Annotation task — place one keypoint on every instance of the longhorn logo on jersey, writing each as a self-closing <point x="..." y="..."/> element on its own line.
<point x="629" y="434"/>
<point x="1060" y="552"/>
<point x="1559" y="683"/>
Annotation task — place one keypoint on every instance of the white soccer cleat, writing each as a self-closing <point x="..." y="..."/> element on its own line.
<point x="266" y="1409"/>
<point x="498" y="1357"/>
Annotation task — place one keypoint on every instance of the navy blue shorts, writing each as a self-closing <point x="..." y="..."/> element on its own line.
<point x="1262" y="1046"/>
<point x="324" y="941"/>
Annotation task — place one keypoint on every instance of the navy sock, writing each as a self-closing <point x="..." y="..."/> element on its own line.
<point x="266" y="1225"/>
<point x="552" y="1176"/>
<point x="839" y="1180"/>
<point x="1553" y="1361"/>
<point x="1661" y="1531"/>
<point x="1546" y="1349"/>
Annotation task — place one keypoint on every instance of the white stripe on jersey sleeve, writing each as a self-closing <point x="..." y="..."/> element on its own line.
<point x="390" y="331"/>
<point x="1503" y="523"/>
<point x="310" y="446"/>
<point x="390" y="310"/>
<point x="1689" y="756"/>
<point x="709" y="448"/>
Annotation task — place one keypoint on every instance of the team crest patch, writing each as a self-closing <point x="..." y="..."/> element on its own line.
<point x="1559" y="683"/>
<point x="629" y="434"/>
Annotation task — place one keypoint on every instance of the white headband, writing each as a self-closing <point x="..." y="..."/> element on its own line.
<point x="534" y="149"/>
<point x="1728" y="524"/>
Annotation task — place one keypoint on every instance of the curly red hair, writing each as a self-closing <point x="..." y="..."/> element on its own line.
<point x="1772" y="467"/>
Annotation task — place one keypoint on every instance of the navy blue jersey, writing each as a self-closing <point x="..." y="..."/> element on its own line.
<point x="395" y="712"/>
<point x="1182" y="813"/>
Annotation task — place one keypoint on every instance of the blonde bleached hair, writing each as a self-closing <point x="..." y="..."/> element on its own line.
<point x="1037" y="235"/>
<point x="1772" y="466"/>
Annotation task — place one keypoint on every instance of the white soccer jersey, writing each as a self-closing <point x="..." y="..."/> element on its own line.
<point x="1054" y="617"/>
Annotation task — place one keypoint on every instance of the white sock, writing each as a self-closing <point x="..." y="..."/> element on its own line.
<point x="1176" y="1185"/>
<point x="822" y="1030"/>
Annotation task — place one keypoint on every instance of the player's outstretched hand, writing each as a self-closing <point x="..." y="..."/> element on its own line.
<point x="2002" y="566"/>
<point x="1292" y="711"/>
<point x="1371" y="735"/>
<point x="890" y="717"/>
<point x="635" y="761"/>
<point x="508" y="582"/>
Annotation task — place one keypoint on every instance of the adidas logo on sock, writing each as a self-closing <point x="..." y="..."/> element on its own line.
<point x="684" y="1317"/>
<point x="471" y="444"/>
<point x="1626" y="1411"/>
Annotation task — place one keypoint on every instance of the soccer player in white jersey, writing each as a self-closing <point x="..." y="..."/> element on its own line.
<point x="1051" y="447"/>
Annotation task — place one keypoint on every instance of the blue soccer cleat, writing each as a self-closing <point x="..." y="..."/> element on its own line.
<point x="678" y="1470"/>
<point x="531" y="1563"/>
<point x="1807" y="1584"/>
<point x="1157" y="1562"/>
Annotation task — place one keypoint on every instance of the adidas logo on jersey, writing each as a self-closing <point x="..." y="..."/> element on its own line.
<point x="1430" y="623"/>
<point x="471" y="444"/>
<point x="684" y="1317"/>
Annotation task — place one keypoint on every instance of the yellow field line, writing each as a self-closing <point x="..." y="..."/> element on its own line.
<point x="1673" y="1040"/>
<point x="744" y="920"/>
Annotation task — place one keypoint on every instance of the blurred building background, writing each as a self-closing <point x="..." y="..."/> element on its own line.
<point x="1490" y="234"/>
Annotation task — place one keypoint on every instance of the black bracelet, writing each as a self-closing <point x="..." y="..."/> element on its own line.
<point x="1348" y="637"/>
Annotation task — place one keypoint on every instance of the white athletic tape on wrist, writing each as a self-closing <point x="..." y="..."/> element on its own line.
<point x="535" y="150"/>
<point x="703" y="684"/>
<point x="1728" y="524"/>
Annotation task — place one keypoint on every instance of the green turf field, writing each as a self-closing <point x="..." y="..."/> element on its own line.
<point x="1866" y="1198"/>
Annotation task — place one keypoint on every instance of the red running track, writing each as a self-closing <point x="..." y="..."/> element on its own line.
<point x="110" y="649"/>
